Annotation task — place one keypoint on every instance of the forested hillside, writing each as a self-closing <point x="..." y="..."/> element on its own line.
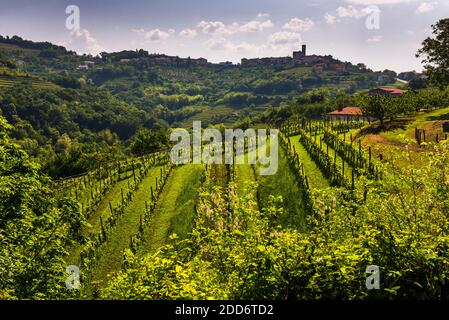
<point x="176" y="90"/>
<point x="60" y="111"/>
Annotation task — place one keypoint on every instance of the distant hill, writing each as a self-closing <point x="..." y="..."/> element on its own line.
<point x="31" y="45"/>
<point x="176" y="90"/>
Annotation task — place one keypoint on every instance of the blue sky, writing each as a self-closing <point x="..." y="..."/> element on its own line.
<point x="232" y="29"/>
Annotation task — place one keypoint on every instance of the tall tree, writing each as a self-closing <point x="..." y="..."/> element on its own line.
<point x="36" y="226"/>
<point x="377" y="106"/>
<point x="146" y="141"/>
<point x="435" y="54"/>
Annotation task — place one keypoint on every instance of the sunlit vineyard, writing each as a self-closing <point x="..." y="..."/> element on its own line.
<point x="142" y="227"/>
<point x="156" y="230"/>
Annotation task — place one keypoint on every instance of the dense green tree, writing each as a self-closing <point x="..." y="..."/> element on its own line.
<point x="146" y="141"/>
<point x="435" y="54"/>
<point x="35" y="227"/>
<point x="418" y="83"/>
<point x="379" y="107"/>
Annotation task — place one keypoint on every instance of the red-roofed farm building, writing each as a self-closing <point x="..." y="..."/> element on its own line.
<point x="347" y="114"/>
<point x="386" y="91"/>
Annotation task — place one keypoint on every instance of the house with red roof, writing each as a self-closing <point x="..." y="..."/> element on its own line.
<point x="347" y="114"/>
<point x="386" y="91"/>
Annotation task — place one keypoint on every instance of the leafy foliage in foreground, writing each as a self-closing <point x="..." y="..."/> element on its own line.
<point x="35" y="227"/>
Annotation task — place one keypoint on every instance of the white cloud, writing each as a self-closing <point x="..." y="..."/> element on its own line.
<point x="224" y="44"/>
<point x="256" y="26"/>
<point x="352" y="12"/>
<point x="283" y="38"/>
<point x="216" y="44"/>
<point x="263" y="15"/>
<point x="377" y="2"/>
<point x="375" y="39"/>
<point x="298" y="25"/>
<point x="138" y="31"/>
<point x="244" y="47"/>
<point x="330" y="19"/>
<point x="188" y="33"/>
<point x="154" y="34"/>
<point x="82" y="42"/>
<point x="215" y="28"/>
<point x="218" y="28"/>
<point x="425" y="7"/>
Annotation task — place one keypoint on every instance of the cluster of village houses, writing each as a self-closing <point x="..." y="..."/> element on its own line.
<point x="156" y="59"/>
<point x="299" y="58"/>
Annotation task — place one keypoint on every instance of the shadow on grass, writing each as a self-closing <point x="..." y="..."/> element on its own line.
<point x="439" y="117"/>
<point x="386" y="126"/>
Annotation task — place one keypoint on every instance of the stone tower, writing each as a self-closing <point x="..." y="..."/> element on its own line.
<point x="298" y="55"/>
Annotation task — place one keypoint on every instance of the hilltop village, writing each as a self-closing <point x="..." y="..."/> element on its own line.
<point x="298" y="58"/>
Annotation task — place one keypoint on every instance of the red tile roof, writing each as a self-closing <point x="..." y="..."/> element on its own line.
<point x="347" y="111"/>
<point x="391" y="90"/>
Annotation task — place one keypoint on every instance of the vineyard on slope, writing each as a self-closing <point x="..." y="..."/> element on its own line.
<point x="237" y="250"/>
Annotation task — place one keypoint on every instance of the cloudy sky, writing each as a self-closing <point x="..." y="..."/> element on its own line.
<point x="381" y="33"/>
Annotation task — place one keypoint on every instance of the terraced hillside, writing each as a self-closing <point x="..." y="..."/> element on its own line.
<point x="8" y="82"/>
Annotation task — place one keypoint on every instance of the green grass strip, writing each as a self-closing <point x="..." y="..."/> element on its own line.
<point x="112" y="252"/>
<point x="283" y="183"/>
<point x="313" y="172"/>
<point x="175" y="209"/>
